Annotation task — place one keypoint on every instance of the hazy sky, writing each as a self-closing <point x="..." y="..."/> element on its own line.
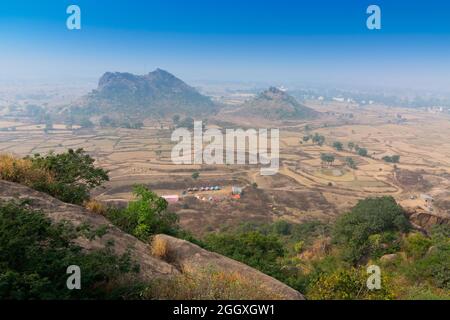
<point x="281" y="40"/>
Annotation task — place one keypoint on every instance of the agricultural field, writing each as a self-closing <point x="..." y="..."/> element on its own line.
<point x="305" y="187"/>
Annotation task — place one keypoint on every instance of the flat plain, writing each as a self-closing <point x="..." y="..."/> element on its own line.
<point x="304" y="188"/>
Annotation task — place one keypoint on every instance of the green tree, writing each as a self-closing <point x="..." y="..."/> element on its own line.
<point x="348" y="284"/>
<point x="35" y="254"/>
<point x="351" y="145"/>
<point x="74" y="175"/>
<point x="327" y="158"/>
<point x="187" y="123"/>
<point x="195" y="175"/>
<point x="392" y="159"/>
<point x="318" y="139"/>
<point x="363" y="152"/>
<point x="369" y="217"/>
<point x="350" y="162"/>
<point x="145" y="216"/>
<point x="338" y="146"/>
<point x="416" y="245"/>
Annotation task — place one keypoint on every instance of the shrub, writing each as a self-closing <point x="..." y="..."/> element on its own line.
<point x="392" y="159"/>
<point x="96" y="207"/>
<point x="68" y="176"/>
<point x="282" y="227"/>
<point x="383" y="243"/>
<point x="369" y="217"/>
<point x="22" y="171"/>
<point x="350" y="162"/>
<point x="348" y="284"/>
<point x="363" y="152"/>
<point x="160" y="248"/>
<point x="195" y="175"/>
<point x="416" y="245"/>
<point x="145" y="216"/>
<point x="35" y="254"/>
<point x="338" y="146"/>
<point x="74" y="173"/>
<point x="299" y="246"/>
<point x="252" y="248"/>
<point x="432" y="264"/>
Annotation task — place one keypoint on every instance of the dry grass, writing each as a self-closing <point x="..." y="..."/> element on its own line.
<point x="160" y="248"/>
<point x="96" y="207"/>
<point x="22" y="171"/>
<point x="210" y="284"/>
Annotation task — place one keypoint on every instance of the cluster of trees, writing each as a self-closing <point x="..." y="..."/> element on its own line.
<point x="35" y="254"/>
<point x="107" y="121"/>
<point x="350" y="162"/>
<point x="363" y="152"/>
<point x="187" y="122"/>
<point x="327" y="158"/>
<point x="72" y="175"/>
<point x="68" y="176"/>
<point x="373" y="228"/>
<point x="195" y="175"/>
<point x="392" y="159"/>
<point x="315" y="138"/>
<point x="338" y="146"/>
<point x="354" y="231"/>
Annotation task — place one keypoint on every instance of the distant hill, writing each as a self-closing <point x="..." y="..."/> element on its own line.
<point x="158" y="93"/>
<point x="275" y="104"/>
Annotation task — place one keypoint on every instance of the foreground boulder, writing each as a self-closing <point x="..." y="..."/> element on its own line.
<point x="188" y="256"/>
<point x="184" y="255"/>
<point x="58" y="211"/>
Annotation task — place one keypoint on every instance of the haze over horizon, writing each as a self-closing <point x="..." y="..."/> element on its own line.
<point x="293" y="41"/>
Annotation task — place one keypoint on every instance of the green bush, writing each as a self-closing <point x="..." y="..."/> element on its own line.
<point x="348" y="284"/>
<point x="145" y="216"/>
<point x="252" y="248"/>
<point x="338" y="146"/>
<point x="416" y="245"/>
<point x="369" y="217"/>
<point x="432" y="264"/>
<point x="34" y="256"/>
<point x="392" y="159"/>
<point x="74" y="175"/>
<point x="363" y="152"/>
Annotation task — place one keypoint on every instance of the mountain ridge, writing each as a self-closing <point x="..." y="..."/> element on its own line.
<point x="275" y="104"/>
<point x="157" y="93"/>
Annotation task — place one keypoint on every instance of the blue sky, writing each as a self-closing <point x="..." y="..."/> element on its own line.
<point x="284" y="40"/>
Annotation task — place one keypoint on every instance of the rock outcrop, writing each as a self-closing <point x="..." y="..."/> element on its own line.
<point x="185" y="254"/>
<point x="59" y="211"/>
<point x="425" y="220"/>
<point x="189" y="256"/>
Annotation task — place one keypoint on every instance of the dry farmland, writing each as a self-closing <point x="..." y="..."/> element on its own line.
<point x="303" y="189"/>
